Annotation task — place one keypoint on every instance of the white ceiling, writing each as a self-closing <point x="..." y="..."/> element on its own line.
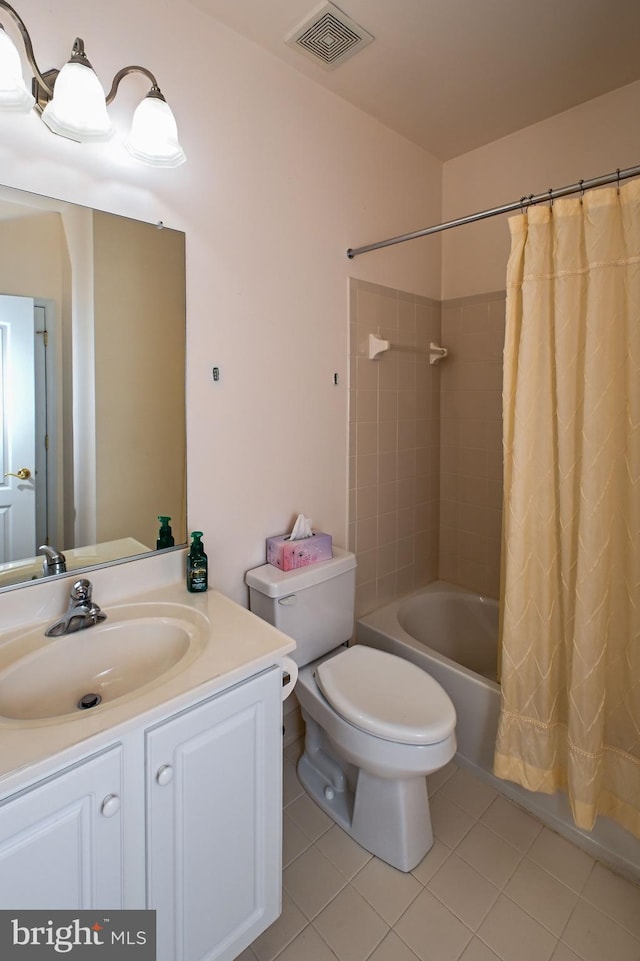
<point x="452" y="75"/>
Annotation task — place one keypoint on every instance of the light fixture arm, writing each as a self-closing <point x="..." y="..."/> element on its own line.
<point x="71" y="101"/>
<point x="121" y="74"/>
<point x="46" y="80"/>
<point x="28" y="46"/>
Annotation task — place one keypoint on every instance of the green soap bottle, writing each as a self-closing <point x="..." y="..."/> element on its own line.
<point x="197" y="565"/>
<point x="165" y="537"/>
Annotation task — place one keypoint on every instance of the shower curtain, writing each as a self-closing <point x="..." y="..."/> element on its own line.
<point x="570" y="596"/>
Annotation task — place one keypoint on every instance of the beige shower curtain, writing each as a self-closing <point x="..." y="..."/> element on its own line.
<point x="570" y="598"/>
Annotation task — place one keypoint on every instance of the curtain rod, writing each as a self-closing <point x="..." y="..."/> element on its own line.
<point x="505" y="209"/>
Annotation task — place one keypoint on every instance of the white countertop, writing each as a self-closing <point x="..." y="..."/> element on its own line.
<point x="240" y="645"/>
<point x="76" y="558"/>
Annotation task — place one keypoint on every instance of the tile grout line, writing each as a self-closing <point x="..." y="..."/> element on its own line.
<point x="524" y="854"/>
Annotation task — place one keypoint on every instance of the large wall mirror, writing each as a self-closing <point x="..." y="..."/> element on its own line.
<point x="92" y="385"/>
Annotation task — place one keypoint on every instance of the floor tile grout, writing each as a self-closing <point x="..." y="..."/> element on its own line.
<point x="518" y="853"/>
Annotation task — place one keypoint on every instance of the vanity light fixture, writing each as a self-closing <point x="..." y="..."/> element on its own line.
<point x="72" y="102"/>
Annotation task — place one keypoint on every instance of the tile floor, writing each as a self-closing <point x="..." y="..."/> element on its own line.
<point x="496" y="886"/>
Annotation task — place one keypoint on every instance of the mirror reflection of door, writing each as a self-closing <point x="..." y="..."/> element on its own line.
<point x="17" y="445"/>
<point x="110" y="442"/>
<point x="48" y="473"/>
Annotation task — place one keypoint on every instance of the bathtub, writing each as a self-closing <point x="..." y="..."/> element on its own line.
<point x="453" y="635"/>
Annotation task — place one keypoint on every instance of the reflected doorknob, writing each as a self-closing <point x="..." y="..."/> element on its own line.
<point x="23" y="474"/>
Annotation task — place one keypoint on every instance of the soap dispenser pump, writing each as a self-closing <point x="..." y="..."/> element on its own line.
<point x="197" y="565"/>
<point x="165" y="537"/>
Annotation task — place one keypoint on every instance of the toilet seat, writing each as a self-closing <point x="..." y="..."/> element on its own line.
<point x="386" y="696"/>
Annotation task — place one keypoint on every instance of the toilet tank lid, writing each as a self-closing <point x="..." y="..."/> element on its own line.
<point x="273" y="582"/>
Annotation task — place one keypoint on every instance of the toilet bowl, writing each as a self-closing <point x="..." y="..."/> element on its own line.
<point x="375" y="724"/>
<point x="367" y="753"/>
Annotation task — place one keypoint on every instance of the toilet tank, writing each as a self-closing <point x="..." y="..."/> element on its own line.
<point x="314" y="605"/>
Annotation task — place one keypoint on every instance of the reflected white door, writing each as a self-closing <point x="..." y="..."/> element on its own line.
<point x="17" y="445"/>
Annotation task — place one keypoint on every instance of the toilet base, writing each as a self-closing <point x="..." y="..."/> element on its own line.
<point x="388" y="817"/>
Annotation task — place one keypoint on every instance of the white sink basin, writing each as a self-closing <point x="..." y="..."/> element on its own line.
<point x="137" y="645"/>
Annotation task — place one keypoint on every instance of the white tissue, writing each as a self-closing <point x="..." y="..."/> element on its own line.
<point x="301" y="528"/>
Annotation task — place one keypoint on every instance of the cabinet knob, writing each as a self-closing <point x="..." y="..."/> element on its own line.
<point x="110" y="805"/>
<point x="164" y="775"/>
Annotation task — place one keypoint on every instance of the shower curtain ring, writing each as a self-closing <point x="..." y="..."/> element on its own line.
<point x="522" y="203"/>
<point x="550" y="198"/>
<point x="581" y="190"/>
<point x="618" y="180"/>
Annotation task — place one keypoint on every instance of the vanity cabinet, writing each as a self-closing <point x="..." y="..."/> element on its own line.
<point x="198" y="795"/>
<point x="61" y="841"/>
<point x="214" y="777"/>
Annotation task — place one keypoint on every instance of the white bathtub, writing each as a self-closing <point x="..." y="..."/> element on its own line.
<point x="453" y="634"/>
<point x="461" y="626"/>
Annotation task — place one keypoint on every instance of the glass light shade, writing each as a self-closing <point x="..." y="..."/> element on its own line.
<point x="13" y="92"/>
<point x="154" y="135"/>
<point x="78" y="110"/>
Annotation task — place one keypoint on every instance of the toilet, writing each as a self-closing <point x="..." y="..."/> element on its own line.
<point x="376" y="724"/>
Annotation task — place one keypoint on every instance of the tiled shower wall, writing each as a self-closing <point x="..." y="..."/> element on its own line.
<point x="471" y="442"/>
<point x="425" y="443"/>
<point x="394" y="443"/>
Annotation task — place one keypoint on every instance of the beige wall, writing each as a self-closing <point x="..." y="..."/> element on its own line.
<point x="595" y="138"/>
<point x="471" y="442"/>
<point x="32" y="263"/>
<point x="139" y="378"/>
<point x="394" y="443"/>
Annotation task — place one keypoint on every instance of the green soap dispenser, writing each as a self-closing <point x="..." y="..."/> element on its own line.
<point x="165" y="537"/>
<point x="197" y="565"/>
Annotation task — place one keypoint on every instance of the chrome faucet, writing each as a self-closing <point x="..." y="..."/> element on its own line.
<point x="81" y="612"/>
<point x="53" y="561"/>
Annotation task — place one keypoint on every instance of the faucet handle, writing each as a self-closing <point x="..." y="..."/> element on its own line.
<point x="51" y="553"/>
<point x="81" y="590"/>
<point x="54" y="562"/>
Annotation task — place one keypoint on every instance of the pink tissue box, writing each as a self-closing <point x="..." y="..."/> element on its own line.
<point x="288" y="555"/>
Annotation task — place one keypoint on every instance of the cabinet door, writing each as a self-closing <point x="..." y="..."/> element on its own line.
<point x="214" y="822"/>
<point x="60" y="841"/>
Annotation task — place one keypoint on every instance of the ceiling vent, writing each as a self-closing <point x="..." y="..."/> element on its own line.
<point x="329" y="37"/>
